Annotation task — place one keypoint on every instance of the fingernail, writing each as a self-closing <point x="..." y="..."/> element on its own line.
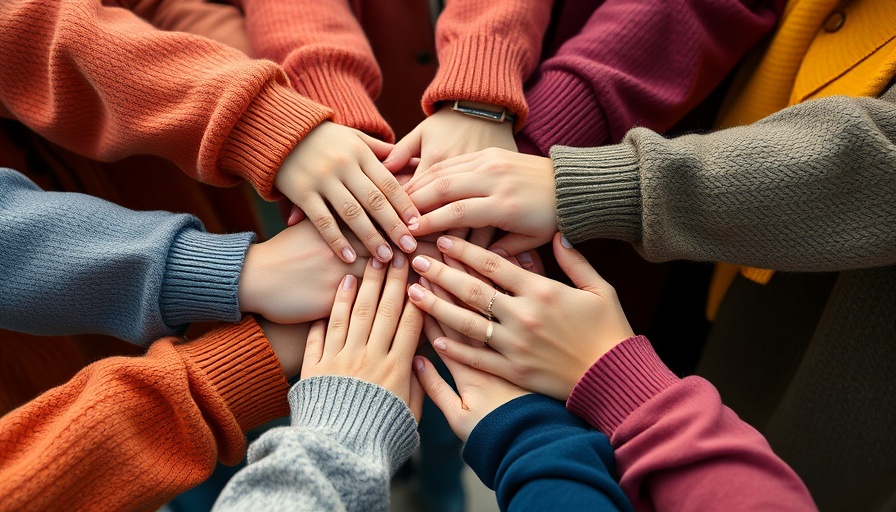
<point x="440" y="344"/>
<point x="445" y="243"/>
<point x="413" y="226"/>
<point x="384" y="252"/>
<point x="413" y="220"/>
<point x="375" y="263"/>
<point x="348" y="254"/>
<point x="565" y="243"/>
<point x="525" y="258"/>
<point x="500" y="252"/>
<point x="407" y="243"/>
<point x="348" y="281"/>
<point x="420" y="263"/>
<point x="425" y="283"/>
<point x="415" y="292"/>
<point x="418" y="364"/>
<point x="398" y="261"/>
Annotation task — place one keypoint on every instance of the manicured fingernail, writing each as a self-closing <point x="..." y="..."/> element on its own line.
<point x="440" y="344"/>
<point x="525" y="258"/>
<point x="415" y="292"/>
<point x="413" y="220"/>
<point x="445" y="243"/>
<point x="348" y="254"/>
<point x="407" y="243"/>
<point x="425" y="283"/>
<point x="500" y="252"/>
<point x="384" y="252"/>
<point x="419" y="364"/>
<point x="398" y="261"/>
<point x="348" y="281"/>
<point x="413" y="226"/>
<point x="377" y="264"/>
<point x="565" y="243"/>
<point x="420" y="263"/>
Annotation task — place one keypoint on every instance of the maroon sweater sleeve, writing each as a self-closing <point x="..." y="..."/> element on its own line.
<point x="639" y="63"/>
<point x="677" y="446"/>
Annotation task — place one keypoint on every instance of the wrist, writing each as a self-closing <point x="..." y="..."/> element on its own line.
<point x="248" y="286"/>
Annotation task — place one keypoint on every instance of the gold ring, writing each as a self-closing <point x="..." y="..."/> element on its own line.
<point x="488" y="332"/>
<point x="491" y="303"/>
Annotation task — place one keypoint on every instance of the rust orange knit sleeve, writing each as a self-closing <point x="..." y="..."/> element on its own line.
<point x="131" y="433"/>
<point x="486" y="51"/>
<point x="103" y="83"/>
<point x="326" y="55"/>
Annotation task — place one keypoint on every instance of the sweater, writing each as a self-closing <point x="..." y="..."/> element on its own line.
<point x="131" y="433"/>
<point x="76" y="264"/>
<point x="714" y="461"/>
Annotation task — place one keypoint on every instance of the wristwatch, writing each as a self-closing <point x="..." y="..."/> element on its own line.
<point x="501" y="116"/>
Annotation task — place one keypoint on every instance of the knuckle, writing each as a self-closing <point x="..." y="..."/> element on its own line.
<point x="443" y="185"/>
<point x="490" y="263"/>
<point x="468" y="328"/>
<point x="362" y="312"/>
<point x="390" y="187"/>
<point x="324" y="223"/>
<point x="338" y="326"/>
<point x="389" y="309"/>
<point x="477" y="361"/>
<point x="376" y="200"/>
<point x="474" y="293"/>
<point x="458" y="210"/>
<point x="351" y="210"/>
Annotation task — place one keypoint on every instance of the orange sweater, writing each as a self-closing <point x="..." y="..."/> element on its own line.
<point x="130" y="433"/>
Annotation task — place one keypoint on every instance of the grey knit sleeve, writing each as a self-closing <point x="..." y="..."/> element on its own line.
<point x="811" y="188"/>
<point x="72" y="264"/>
<point x="347" y="437"/>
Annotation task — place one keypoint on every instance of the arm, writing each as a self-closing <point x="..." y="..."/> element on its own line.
<point x="537" y="456"/>
<point x="637" y="63"/>
<point x="810" y="188"/>
<point x="131" y="433"/>
<point x="677" y="447"/>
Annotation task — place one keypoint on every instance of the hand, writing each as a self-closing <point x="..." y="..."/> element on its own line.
<point x="545" y="334"/>
<point x="288" y="342"/>
<point x="291" y="278"/>
<point x="446" y="134"/>
<point x="480" y="392"/>
<point x="368" y="341"/>
<point x="493" y="187"/>
<point x="337" y="165"/>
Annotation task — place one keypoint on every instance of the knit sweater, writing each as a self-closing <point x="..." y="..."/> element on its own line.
<point x="131" y="433"/>
<point x="76" y="264"/>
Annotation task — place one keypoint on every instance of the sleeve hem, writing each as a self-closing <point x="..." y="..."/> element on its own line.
<point x="555" y="93"/>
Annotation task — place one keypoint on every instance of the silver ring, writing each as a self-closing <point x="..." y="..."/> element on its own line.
<point x="491" y="303"/>
<point x="488" y="332"/>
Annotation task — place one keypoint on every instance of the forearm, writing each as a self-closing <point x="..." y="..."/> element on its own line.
<point x="808" y="189"/>
<point x="77" y="264"/>
<point x="677" y="447"/>
<point x="131" y="433"/>
<point x="642" y="64"/>
<point x="346" y="439"/>
<point x="537" y="456"/>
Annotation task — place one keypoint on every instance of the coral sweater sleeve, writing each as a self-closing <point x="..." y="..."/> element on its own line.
<point x="640" y="63"/>
<point x="486" y="50"/>
<point x="101" y="82"/>
<point x="677" y="447"/>
<point x="131" y="433"/>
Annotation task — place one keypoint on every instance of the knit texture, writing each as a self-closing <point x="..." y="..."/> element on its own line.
<point x="346" y="439"/>
<point x="131" y="433"/>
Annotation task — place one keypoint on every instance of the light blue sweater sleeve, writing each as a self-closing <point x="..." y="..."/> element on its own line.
<point x="346" y="439"/>
<point x="73" y="264"/>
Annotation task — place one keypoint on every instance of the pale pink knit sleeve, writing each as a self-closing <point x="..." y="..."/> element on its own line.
<point x="678" y="448"/>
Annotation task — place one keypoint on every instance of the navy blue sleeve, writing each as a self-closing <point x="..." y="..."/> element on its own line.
<point x="536" y="455"/>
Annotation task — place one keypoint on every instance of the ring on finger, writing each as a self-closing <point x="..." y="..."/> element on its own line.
<point x="489" y="314"/>
<point x="489" y="331"/>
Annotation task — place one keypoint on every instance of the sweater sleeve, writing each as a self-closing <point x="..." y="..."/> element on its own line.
<point x="486" y="50"/>
<point x="75" y="264"/>
<point x="326" y="55"/>
<point x="346" y="439"/>
<point x="131" y="433"/>
<point x="538" y="456"/>
<point x="810" y="188"/>
<point x="640" y="63"/>
<point x="101" y="82"/>
<point x="677" y="447"/>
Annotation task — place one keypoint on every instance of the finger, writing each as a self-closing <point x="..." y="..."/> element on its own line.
<point x="468" y="289"/>
<point x="364" y="310"/>
<point x="320" y="215"/>
<point x="484" y="359"/>
<point x="389" y="203"/>
<point x="487" y="263"/>
<point x="439" y="391"/>
<point x="432" y="329"/>
<point x="448" y="189"/>
<point x="353" y="214"/>
<point x="296" y="215"/>
<point x="467" y="322"/>
<point x="454" y="165"/>
<point x="458" y="232"/>
<point x="515" y="243"/>
<point x="405" y="149"/>
<point x="476" y="212"/>
<point x="379" y="148"/>
<point x="442" y="294"/>
<point x="314" y="346"/>
<point x="390" y="307"/>
<point x="337" y="328"/>
<point x="457" y="265"/>
<point x="574" y="265"/>
<point x="408" y="333"/>
<point x="482" y="237"/>
<point x="417" y="395"/>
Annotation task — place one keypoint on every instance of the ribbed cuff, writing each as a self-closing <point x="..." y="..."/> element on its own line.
<point x="366" y="418"/>
<point x="201" y="278"/>
<point x="622" y="380"/>
<point x="481" y="68"/>
<point x="276" y="120"/>
<point x="598" y="192"/>
<point x="240" y="364"/>
<point x="559" y="95"/>
<point x="343" y="91"/>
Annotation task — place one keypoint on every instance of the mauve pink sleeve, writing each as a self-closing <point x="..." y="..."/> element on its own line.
<point x="678" y="448"/>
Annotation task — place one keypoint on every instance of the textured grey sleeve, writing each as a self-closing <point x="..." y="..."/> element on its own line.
<point x="347" y="437"/>
<point x="811" y="188"/>
<point x="73" y="264"/>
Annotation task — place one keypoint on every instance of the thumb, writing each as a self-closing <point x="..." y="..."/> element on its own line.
<point x="416" y="401"/>
<point x="576" y="266"/>
<point x="403" y="151"/>
<point x="515" y="243"/>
